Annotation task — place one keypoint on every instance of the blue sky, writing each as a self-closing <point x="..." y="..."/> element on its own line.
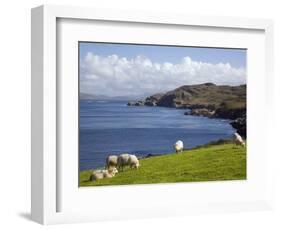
<point x="235" y="57"/>
<point x="143" y="70"/>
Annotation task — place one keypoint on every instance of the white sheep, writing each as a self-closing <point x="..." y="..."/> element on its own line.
<point x="127" y="160"/>
<point x="101" y="174"/>
<point x="110" y="172"/>
<point x="133" y="162"/>
<point x="238" y="140"/>
<point x="178" y="146"/>
<point x="96" y="175"/>
<point x="111" y="161"/>
<point x="123" y="160"/>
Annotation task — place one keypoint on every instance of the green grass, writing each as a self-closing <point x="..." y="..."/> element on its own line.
<point x="209" y="163"/>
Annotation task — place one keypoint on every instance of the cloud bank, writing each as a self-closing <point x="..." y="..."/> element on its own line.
<point x="118" y="76"/>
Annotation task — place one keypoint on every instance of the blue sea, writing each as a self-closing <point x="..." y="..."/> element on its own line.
<point x="112" y="127"/>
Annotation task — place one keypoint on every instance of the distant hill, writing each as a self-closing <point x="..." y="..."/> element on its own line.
<point x="206" y="95"/>
<point x="87" y="96"/>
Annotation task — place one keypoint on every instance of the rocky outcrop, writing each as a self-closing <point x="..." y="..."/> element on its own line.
<point x="152" y="100"/>
<point x="237" y="113"/>
<point x="136" y="103"/>
<point x="238" y="116"/>
<point x="130" y="103"/>
<point x="230" y="113"/>
<point x="150" y="103"/>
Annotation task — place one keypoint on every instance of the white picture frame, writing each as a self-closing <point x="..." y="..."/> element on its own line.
<point x="46" y="179"/>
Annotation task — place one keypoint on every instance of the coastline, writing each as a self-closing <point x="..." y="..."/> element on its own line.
<point x="206" y="100"/>
<point x="237" y="122"/>
<point x="139" y="130"/>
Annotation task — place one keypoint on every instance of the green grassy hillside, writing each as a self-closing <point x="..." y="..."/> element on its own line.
<point x="209" y="163"/>
<point x="206" y="95"/>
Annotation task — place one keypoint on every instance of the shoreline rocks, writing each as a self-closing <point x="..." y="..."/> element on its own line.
<point x="201" y="112"/>
<point x="150" y="103"/>
<point x="237" y="117"/>
<point x="137" y="103"/>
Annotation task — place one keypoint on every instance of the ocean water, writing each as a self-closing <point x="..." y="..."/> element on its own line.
<point x="112" y="127"/>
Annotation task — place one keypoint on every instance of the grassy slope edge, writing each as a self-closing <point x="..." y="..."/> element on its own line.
<point x="209" y="163"/>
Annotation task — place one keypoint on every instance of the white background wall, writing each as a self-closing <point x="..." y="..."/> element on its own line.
<point x="15" y="112"/>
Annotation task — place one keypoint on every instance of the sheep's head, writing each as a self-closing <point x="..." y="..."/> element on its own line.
<point x="136" y="165"/>
<point x="112" y="171"/>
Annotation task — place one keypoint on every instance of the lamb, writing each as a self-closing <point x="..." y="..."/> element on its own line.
<point x="238" y="140"/>
<point x="178" y="146"/>
<point x="96" y="175"/>
<point x="101" y="174"/>
<point x="127" y="160"/>
<point x="110" y="172"/>
<point x="111" y="161"/>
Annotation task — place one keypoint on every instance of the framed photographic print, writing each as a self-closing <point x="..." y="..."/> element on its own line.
<point x="141" y="104"/>
<point x="155" y="114"/>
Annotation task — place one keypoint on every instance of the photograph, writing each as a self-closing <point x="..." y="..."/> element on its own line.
<point x="154" y="113"/>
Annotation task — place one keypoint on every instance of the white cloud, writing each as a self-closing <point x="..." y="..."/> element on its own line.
<point x="119" y="76"/>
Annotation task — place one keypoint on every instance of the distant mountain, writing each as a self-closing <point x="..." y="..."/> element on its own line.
<point x="87" y="96"/>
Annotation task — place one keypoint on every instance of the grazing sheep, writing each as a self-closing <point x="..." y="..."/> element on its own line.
<point x="111" y="161"/>
<point x="178" y="146"/>
<point x="127" y="160"/>
<point x="101" y="174"/>
<point x="238" y="139"/>
<point x="133" y="162"/>
<point x="123" y="160"/>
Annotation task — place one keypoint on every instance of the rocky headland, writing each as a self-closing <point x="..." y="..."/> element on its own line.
<point x="208" y="100"/>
